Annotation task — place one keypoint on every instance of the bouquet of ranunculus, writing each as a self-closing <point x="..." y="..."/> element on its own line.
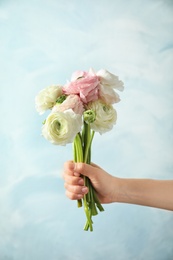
<point x="80" y="108"/>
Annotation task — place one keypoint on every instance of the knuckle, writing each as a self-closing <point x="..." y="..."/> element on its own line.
<point x="65" y="185"/>
<point x="71" y="180"/>
<point x="71" y="196"/>
<point x="80" y="167"/>
<point x="75" y="189"/>
<point x="71" y="188"/>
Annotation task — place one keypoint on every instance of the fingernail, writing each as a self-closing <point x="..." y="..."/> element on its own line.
<point x="81" y="182"/>
<point x="84" y="189"/>
<point x="76" y="174"/>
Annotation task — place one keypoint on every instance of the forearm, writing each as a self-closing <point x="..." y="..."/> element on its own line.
<point x="147" y="192"/>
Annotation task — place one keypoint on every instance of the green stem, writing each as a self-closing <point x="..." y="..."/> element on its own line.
<point x="78" y="157"/>
<point x="88" y="213"/>
<point x="88" y="137"/>
<point x="82" y="153"/>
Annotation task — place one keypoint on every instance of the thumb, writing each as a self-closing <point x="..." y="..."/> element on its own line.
<point x="85" y="169"/>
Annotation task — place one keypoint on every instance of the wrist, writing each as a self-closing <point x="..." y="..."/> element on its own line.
<point x="124" y="190"/>
<point x="116" y="189"/>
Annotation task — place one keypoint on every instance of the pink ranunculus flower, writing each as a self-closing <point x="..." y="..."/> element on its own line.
<point x="85" y="84"/>
<point x="71" y="102"/>
<point x="109" y="82"/>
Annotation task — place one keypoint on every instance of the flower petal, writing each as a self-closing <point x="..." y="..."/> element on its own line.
<point x="109" y="79"/>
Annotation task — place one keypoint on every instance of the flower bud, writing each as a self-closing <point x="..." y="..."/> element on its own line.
<point x="61" y="99"/>
<point x="89" y="116"/>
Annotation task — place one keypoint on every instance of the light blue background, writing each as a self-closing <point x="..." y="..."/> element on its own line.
<point x="42" y="43"/>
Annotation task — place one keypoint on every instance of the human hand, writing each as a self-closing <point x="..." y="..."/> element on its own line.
<point x="146" y="192"/>
<point x="105" y="184"/>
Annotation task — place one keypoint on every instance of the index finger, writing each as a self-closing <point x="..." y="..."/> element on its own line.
<point x="69" y="169"/>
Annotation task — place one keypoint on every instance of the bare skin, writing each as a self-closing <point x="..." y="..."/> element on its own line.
<point x="145" y="192"/>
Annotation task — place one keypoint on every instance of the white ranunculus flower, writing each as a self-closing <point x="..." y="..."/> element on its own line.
<point x="61" y="127"/>
<point x="106" y="116"/>
<point x="47" y="97"/>
<point x="109" y="82"/>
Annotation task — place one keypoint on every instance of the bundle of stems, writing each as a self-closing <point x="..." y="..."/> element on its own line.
<point x="82" y="153"/>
